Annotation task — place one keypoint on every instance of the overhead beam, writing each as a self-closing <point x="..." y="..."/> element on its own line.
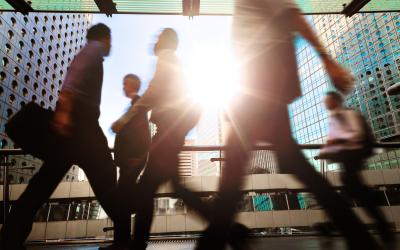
<point x="107" y="7"/>
<point x="21" y="6"/>
<point x="353" y="7"/>
<point x="191" y="8"/>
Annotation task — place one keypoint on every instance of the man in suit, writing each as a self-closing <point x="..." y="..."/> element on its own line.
<point x="84" y="143"/>
<point x="130" y="155"/>
<point x="263" y="38"/>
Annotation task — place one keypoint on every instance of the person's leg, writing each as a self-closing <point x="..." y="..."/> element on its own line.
<point x="38" y="191"/>
<point x="224" y="207"/>
<point x="155" y="174"/>
<point x="95" y="159"/>
<point x="354" y="186"/>
<point x="293" y="161"/>
<point x="126" y="189"/>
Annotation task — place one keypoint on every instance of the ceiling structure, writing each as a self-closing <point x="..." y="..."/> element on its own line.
<point x="188" y="7"/>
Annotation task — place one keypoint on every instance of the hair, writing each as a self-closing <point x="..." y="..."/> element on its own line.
<point x="335" y="95"/>
<point x="134" y="79"/>
<point x="171" y="38"/>
<point x="98" y="31"/>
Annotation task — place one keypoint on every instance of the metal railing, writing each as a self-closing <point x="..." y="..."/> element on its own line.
<point x="5" y="164"/>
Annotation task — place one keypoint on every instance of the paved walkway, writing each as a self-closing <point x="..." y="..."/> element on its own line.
<point x="268" y="243"/>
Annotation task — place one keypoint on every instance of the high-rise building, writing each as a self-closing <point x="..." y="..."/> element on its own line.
<point x="187" y="161"/>
<point x="35" y="51"/>
<point x="209" y="133"/>
<point x="262" y="161"/>
<point x="368" y="45"/>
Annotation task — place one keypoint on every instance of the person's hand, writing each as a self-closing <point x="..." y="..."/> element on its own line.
<point x="116" y="127"/>
<point x="342" y="79"/>
<point x="61" y="123"/>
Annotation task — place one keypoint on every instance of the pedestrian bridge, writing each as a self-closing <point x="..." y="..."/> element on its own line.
<point x="289" y="216"/>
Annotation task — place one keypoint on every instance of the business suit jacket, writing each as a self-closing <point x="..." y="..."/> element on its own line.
<point x="133" y="141"/>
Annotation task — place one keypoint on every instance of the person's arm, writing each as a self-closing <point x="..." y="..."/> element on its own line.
<point x="145" y="104"/>
<point x="341" y="77"/>
<point x="62" y="116"/>
<point x="307" y="33"/>
<point x="150" y="97"/>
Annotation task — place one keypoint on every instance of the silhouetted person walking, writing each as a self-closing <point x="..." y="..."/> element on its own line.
<point x="263" y="34"/>
<point x="349" y="142"/>
<point x="76" y="117"/>
<point x="130" y="155"/>
<point x="174" y="115"/>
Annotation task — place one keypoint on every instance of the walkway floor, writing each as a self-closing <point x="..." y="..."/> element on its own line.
<point x="270" y="243"/>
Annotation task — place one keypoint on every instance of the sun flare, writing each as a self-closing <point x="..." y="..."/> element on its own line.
<point x="212" y="77"/>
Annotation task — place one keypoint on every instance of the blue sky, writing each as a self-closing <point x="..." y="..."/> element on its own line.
<point x="132" y="39"/>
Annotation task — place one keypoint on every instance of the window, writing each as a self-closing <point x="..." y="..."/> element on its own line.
<point x="8" y="48"/>
<point x="25" y="92"/>
<point x="10" y="34"/>
<point x="19" y="58"/>
<point x="26" y="79"/>
<point x="16" y="71"/>
<point x="5" y="62"/>
<point x="13" y="21"/>
<point x="9" y="113"/>
<point x="3" y="76"/>
<point x="14" y="85"/>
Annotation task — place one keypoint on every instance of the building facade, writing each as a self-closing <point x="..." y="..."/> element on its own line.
<point x="187" y="161"/>
<point x="35" y="51"/>
<point x="209" y="133"/>
<point x="368" y="45"/>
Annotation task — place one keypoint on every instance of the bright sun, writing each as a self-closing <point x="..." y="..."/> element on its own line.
<point x="212" y="77"/>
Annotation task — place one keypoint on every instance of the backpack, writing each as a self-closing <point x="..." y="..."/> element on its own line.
<point x="369" y="139"/>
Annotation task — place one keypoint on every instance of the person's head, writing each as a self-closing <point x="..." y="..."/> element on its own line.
<point x="168" y="39"/>
<point x="100" y="32"/>
<point x="333" y="100"/>
<point x="131" y="85"/>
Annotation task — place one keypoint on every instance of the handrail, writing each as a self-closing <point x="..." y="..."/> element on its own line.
<point x="203" y="148"/>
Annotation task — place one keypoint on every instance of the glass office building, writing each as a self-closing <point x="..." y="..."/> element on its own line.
<point x="368" y="45"/>
<point x="35" y="51"/>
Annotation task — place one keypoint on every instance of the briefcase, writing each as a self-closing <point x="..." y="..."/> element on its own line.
<point x="30" y="130"/>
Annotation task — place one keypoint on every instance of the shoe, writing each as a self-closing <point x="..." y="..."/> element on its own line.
<point x="239" y="237"/>
<point x="137" y="245"/>
<point x="115" y="246"/>
<point x="15" y="247"/>
<point x="324" y="228"/>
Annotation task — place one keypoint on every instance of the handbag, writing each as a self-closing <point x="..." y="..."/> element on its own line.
<point x="30" y="129"/>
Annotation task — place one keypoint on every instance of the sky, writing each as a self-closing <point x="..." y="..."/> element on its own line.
<point x="204" y="50"/>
